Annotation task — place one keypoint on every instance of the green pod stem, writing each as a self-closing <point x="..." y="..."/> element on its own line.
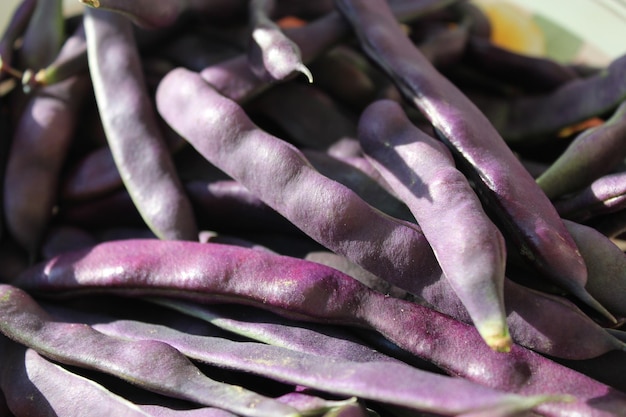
<point x="54" y="391"/>
<point x="38" y="152"/>
<point x="529" y="73"/>
<point x="15" y="28"/>
<point x="606" y="263"/>
<point x="466" y="243"/>
<point x="303" y="290"/>
<point x="501" y="180"/>
<point x="272" y="56"/>
<point x="44" y="36"/>
<point x="151" y="14"/>
<point x="130" y="123"/>
<point x="533" y="119"/>
<point x="80" y="345"/>
<point x="592" y="154"/>
<point x="603" y="196"/>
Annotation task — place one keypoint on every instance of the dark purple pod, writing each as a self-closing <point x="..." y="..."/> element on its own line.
<point x="133" y="134"/>
<point x="111" y="210"/>
<point x="341" y="73"/>
<point x="532" y="119"/>
<point x="606" y="264"/>
<point x="501" y="180"/>
<point x="308" y="117"/>
<point x="446" y="45"/>
<point x="60" y="239"/>
<point x="530" y="73"/>
<point x="40" y="143"/>
<point x="466" y="243"/>
<point x="15" y="27"/>
<point x="592" y="154"/>
<point x="196" y="51"/>
<point x="605" y="195"/>
<point x="360" y="176"/>
<point x="44" y="36"/>
<point x="229" y="206"/>
<point x="308" y="291"/>
<point x="92" y="176"/>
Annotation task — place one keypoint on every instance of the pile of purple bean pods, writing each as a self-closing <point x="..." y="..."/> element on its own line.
<point x="288" y="208"/>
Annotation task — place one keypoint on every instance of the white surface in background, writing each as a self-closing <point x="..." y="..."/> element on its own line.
<point x="600" y="22"/>
<point x="8" y="6"/>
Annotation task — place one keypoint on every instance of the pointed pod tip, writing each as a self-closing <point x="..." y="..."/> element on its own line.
<point x="584" y="296"/>
<point x="304" y="70"/>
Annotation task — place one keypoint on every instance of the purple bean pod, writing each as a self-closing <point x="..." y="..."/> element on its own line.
<point x="307" y="115"/>
<point x="272" y="56"/>
<point x="133" y="134"/>
<point x="394" y="250"/>
<point x="40" y="144"/>
<point x="501" y="179"/>
<point x="388" y="382"/>
<point x="592" y="154"/>
<point x="533" y="119"/>
<point x="16" y="26"/>
<point x="606" y="263"/>
<point x="306" y="291"/>
<point x="533" y="74"/>
<point x="44" y="35"/>
<point x="467" y="245"/>
<point x="25" y="322"/>
<point x="605" y="195"/>
<point x="49" y="388"/>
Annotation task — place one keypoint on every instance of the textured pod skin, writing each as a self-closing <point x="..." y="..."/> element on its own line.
<point x="25" y="322"/>
<point x="307" y="291"/>
<point x="48" y="387"/>
<point x="331" y="214"/>
<point x="467" y="245"/>
<point x="501" y="180"/>
<point x="133" y="134"/>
